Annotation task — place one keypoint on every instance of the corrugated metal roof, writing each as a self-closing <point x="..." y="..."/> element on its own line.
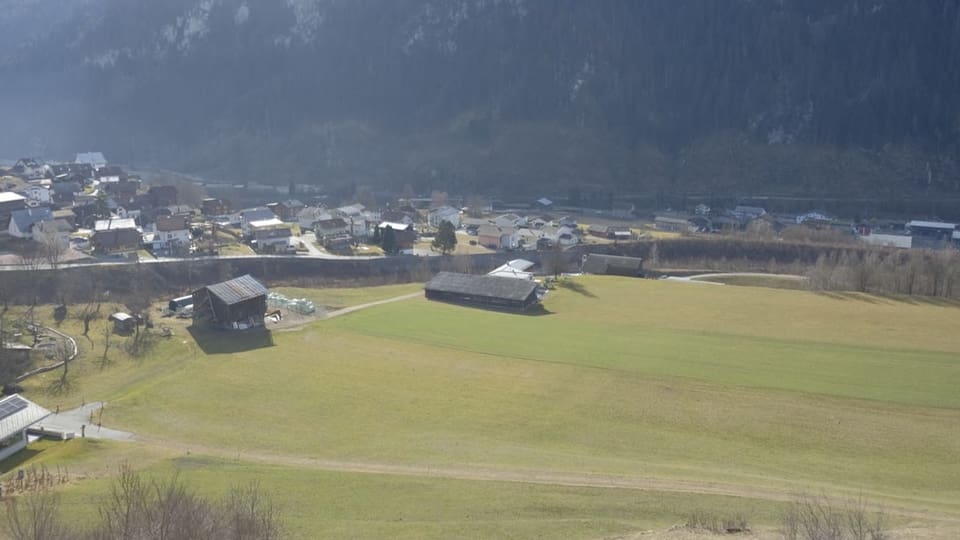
<point x="17" y="413"/>
<point x="601" y="264"/>
<point x="9" y="196"/>
<point x="238" y="289"/>
<point x="487" y="286"/>
<point x="932" y="225"/>
<point x="114" y="224"/>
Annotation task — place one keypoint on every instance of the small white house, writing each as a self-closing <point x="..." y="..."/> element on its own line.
<point x="168" y="233"/>
<point x="17" y="414"/>
<point x="444" y="213"/>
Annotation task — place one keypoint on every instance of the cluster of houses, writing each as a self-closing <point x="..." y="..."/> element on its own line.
<point x="887" y="233"/>
<point x="91" y="205"/>
<point x="512" y="231"/>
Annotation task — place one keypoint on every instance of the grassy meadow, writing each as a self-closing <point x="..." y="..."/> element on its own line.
<point x="422" y="419"/>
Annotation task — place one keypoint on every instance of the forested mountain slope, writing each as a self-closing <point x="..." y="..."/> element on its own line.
<point x="846" y="97"/>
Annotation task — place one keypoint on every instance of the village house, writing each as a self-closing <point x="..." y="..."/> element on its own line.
<point x="65" y="193"/>
<point x="270" y="236"/>
<point x="22" y="221"/>
<point x="558" y="236"/>
<point x="510" y="220"/>
<point x="331" y="227"/>
<point x="405" y="234"/>
<point x="361" y="220"/>
<point x="308" y="216"/>
<point x="120" y="190"/>
<point x="38" y="193"/>
<point x="287" y="210"/>
<point x="169" y="234"/>
<point x="93" y="159"/>
<point x="250" y="215"/>
<point x="9" y="203"/>
<point x="31" y="169"/>
<point x="444" y="213"/>
<point x="115" y="235"/>
<point x="494" y="237"/>
<point x="213" y="207"/>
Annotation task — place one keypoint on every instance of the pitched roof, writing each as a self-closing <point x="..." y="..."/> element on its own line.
<point x="91" y="158"/>
<point x="9" y="196"/>
<point x="28" y="217"/>
<point x="113" y="224"/>
<point x="596" y="263"/>
<point x="237" y="290"/>
<point x="18" y="413"/>
<point x="486" y="286"/>
<point x="394" y="226"/>
<point x="932" y="225"/>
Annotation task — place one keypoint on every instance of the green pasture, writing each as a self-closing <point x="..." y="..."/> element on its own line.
<point x="753" y="387"/>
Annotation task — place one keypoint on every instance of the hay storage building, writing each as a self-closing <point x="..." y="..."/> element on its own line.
<point x="483" y="291"/>
<point x="612" y="265"/>
<point x="239" y="303"/>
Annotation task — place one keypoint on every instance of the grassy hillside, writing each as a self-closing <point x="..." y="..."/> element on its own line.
<point x="675" y="386"/>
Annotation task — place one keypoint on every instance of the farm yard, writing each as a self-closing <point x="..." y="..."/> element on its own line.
<point x="625" y="405"/>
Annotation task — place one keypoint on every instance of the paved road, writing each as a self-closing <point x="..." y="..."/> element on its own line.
<point x="88" y="415"/>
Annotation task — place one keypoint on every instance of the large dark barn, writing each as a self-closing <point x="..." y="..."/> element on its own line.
<point x="483" y="291"/>
<point x="238" y="303"/>
<point x="612" y="265"/>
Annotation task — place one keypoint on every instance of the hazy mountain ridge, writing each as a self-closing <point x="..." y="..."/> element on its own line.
<point x="393" y="90"/>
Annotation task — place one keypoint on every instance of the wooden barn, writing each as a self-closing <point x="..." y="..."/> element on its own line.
<point x="239" y="303"/>
<point x="483" y="291"/>
<point x="612" y="265"/>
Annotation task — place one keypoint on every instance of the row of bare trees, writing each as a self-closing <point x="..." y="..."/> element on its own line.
<point x="907" y="272"/>
<point x="141" y="509"/>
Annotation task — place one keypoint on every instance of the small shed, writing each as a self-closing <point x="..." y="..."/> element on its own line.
<point x="17" y="413"/>
<point x="612" y="265"/>
<point x="239" y="303"/>
<point x="483" y="291"/>
<point x="123" y="323"/>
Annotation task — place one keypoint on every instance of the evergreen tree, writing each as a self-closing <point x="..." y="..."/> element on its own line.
<point x="446" y="239"/>
<point x="376" y="235"/>
<point x="388" y="240"/>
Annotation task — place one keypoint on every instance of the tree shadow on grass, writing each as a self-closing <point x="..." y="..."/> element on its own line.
<point x="576" y="287"/>
<point x="849" y="295"/>
<point x="15" y="461"/>
<point x="882" y="298"/>
<point x="213" y="341"/>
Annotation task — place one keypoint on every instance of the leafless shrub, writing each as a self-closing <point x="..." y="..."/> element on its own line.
<point x="707" y="521"/>
<point x="138" y="509"/>
<point x="818" y="518"/>
<point x="35" y="517"/>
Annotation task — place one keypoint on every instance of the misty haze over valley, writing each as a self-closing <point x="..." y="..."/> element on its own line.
<point x="800" y="97"/>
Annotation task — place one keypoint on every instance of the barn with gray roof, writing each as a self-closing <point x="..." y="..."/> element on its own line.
<point x="238" y="303"/>
<point x="612" y="265"/>
<point x="483" y="291"/>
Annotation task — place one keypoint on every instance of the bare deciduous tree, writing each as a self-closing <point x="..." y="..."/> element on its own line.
<point x="35" y="517"/>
